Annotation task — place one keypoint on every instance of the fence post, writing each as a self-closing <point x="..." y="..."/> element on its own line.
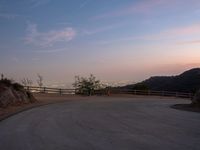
<point x="60" y="91"/>
<point x="149" y="92"/>
<point x="44" y="89"/>
<point x="135" y="92"/>
<point x="108" y="92"/>
<point x="176" y="94"/>
<point x="163" y="93"/>
<point x="190" y="95"/>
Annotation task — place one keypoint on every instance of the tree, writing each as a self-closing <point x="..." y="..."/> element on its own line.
<point x="2" y="76"/>
<point x="86" y="86"/>
<point x="26" y="82"/>
<point x="196" y="99"/>
<point x="40" y="80"/>
<point x="141" y="86"/>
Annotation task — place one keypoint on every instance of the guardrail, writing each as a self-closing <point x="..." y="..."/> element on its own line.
<point x="110" y="92"/>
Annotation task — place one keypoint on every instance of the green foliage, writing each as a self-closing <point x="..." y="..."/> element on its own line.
<point x="6" y="82"/>
<point x="196" y="99"/>
<point x="140" y="86"/>
<point x="86" y="86"/>
<point x="17" y="87"/>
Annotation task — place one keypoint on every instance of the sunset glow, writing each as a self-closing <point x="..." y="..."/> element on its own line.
<point x="116" y="40"/>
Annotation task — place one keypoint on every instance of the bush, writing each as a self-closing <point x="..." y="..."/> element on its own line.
<point x="18" y="87"/>
<point x="6" y="82"/>
<point x="86" y="86"/>
<point x="196" y="99"/>
<point x="140" y="86"/>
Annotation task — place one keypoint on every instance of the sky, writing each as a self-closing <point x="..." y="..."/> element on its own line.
<point x="119" y="41"/>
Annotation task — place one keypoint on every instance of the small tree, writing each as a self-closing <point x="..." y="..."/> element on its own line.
<point x="26" y="82"/>
<point x="196" y="99"/>
<point x="2" y="76"/>
<point x="141" y="86"/>
<point x="40" y="80"/>
<point x="86" y="85"/>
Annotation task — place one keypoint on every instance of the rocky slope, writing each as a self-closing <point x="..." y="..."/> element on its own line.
<point x="13" y="94"/>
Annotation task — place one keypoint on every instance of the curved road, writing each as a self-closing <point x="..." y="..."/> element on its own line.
<point x="102" y="123"/>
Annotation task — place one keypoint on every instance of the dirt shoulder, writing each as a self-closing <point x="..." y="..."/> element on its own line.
<point x="186" y="107"/>
<point x="42" y="99"/>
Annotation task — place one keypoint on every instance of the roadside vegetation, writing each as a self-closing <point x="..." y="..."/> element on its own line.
<point x="196" y="99"/>
<point x="86" y="85"/>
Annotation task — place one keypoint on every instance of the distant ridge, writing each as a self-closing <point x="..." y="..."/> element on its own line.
<point x="188" y="81"/>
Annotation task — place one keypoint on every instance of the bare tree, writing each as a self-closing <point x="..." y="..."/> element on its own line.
<point x="26" y="82"/>
<point x="40" y="80"/>
<point x="2" y="76"/>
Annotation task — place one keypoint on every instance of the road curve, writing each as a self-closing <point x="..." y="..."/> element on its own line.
<point x="102" y="123"/>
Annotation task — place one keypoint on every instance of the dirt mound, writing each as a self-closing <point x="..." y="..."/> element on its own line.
<point x="14" y="94"/>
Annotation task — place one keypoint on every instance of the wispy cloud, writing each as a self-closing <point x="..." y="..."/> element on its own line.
<point x="49" y="50"/>
<point x="189" y="42"/>
<point x="64" y="23"/>
<point x="36" y="3"/>
<point x="146" y="7"/>
<point x="187" y="30"/>
<point x="140" y="7"/>
<point x="8" y="16"/>
<point x="47" y="39"/>
<point x="175" y="34"/>
<point x="102" y="29"/>
<point x="84" y="3"/>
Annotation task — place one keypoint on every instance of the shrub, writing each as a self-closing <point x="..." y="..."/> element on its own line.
<point x="196" y="99"/>
<point x="6" y="82"/>
<point x="86" y="86"/>
<point x="140" y="86"/>
<point x="18" y="87"/>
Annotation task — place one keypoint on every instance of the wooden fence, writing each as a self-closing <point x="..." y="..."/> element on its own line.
<point x="110" y="92"/>
<point x="49" y="90"/>
<point x="152" y="93"/>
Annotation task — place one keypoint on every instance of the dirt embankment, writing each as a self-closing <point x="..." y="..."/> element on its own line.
<point x="41" y="99"/>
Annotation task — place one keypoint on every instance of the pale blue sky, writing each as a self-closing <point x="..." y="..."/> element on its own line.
<point x="116" y="40"/>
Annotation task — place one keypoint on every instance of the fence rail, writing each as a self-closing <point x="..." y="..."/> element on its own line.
<point x="153" y="93"/>
<point x="50" y="90"/>
<point x="109" y="92"/>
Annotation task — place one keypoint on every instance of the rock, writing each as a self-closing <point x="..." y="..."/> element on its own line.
<point x="196" y="99"/>
<point x="12" y="96"/>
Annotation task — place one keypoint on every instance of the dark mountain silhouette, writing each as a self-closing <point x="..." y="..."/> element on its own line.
<point x="188" y="81"/>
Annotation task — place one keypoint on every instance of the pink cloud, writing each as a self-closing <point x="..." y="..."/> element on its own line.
<point x="189" y="42"/>
<point x="149" y="6"/>
<point x="140" y="7"/>
<point x="192" y="29"/>
<point x="184" y="31"/>
<point x="177" y="33"/>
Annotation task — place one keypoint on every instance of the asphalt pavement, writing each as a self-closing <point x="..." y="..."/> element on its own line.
<point x="103" y="123"/>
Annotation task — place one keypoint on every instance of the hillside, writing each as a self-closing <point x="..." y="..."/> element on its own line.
<point x="188" y="81"/>
<point x="13" y="94"/>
